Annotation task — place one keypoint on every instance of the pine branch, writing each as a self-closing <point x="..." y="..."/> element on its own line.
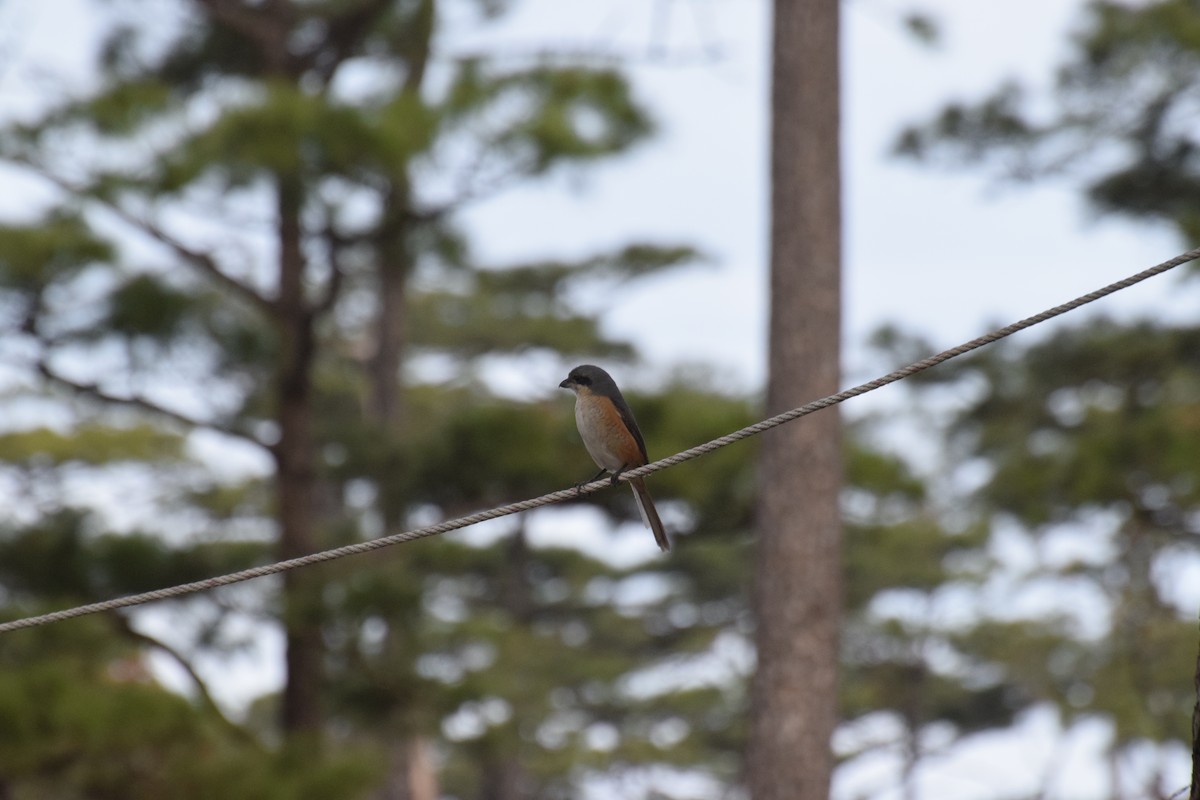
<point x="94" y="392"/>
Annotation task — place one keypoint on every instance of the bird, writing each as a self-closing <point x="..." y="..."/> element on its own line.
<point x="611" y="437"/>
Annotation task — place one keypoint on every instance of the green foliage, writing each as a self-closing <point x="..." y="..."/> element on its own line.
<point x="562" y="113"/>
<point x="491" y="453"/>
<point x="549" y="282"/>
<point x="974" y="130"/>
<point x="92" y="444"/>
<point x="1097" y="416"/>
<point x="580" y="114"/>
<point x="923" y="27"/>
<point x="542" y="662"/>
<point x="204" y="52"/>
<point x="891" y="672"/>
<point x="539" y="636"/>
<point x="911" y="554"/>
<point x="62" y="557"/>
<point x="243" y="126"/>
<point x="1125" y="39"/>
<point x="127" y="106"/>
<point x="32" y="256"/>
<point x="88" y="722"/>
<point x="226" y="502"/>
<point x="888" y="476"/>
<point x="475" y="324"/>
<point x="720" y="488"/>
<point x="530" y="649"/>
<point x="1089" y="436"/>
<point x="289" y="131"/>
<point x="1139" y="58"/>
<point x="528" y="306"/>
<point x="899" y="549"/>
<point x="145" y="306"/>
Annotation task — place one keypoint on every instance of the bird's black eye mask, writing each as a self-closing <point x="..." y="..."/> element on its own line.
<point x="581" y="380"/>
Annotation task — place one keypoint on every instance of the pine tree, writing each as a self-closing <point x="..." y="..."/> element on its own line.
<point x="1142" y="162"/>
<point x="255" y="228"/>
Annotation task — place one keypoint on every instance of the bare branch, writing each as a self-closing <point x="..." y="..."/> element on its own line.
<point x="471" y="188"/>
<point x="93" y="391"/>
<point x="206" y="698"/>
<point x="267" y="26"/>
<point x="333" y="287"/>
<point x="202" y="261"/>
<point x="345" y="33"/>
<point x="198" y="259"/>
<point x="582" y="53"/>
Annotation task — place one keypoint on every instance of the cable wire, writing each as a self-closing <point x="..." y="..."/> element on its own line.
<point x="573" y="493"/>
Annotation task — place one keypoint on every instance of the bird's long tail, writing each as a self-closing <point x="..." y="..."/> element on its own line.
<point x="649" y="513"/>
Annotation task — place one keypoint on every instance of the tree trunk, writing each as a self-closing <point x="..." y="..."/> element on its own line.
<point x="390" y="339"/>
<point x="1194" y="794"/>
<point x="395" y="265"/>
<point x="798" y="570"/>
<point x="412" y="775"/>
<point x="296" y="479"/>
<point x="504" y="779"/>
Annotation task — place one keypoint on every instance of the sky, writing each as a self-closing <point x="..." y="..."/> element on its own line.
<point x="947" y="255"/>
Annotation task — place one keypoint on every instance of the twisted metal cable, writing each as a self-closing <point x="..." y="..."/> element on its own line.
<point x="569" y="494"/>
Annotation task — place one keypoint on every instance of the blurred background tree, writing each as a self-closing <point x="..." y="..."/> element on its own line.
<point x="255" y="253"/>
<point x="254" y="234"/>
<point x="250" y="240"/>
<point x="1086" y="439"/>
<point x="1115" y="120"/>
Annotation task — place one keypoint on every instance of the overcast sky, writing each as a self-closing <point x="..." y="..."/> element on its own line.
<point x="945" y="254"/>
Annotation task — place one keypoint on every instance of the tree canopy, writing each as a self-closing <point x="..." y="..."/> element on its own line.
<point x="250" y="321"/>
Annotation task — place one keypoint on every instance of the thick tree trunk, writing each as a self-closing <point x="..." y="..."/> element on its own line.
<point x="798" y="571"/>
<point x="296" y="478"/>
<point x="1194" y="794"/>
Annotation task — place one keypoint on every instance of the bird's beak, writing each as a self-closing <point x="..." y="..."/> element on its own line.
<point x="566" y="384"/>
